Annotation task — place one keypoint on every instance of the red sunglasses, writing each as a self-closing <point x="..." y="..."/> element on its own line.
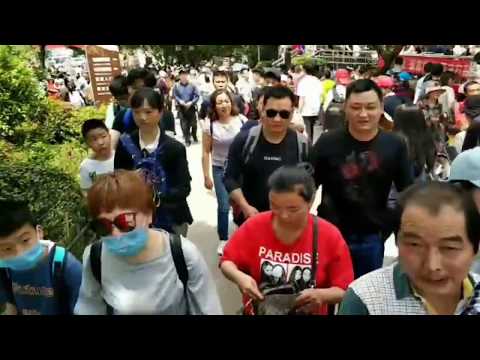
<point x="124" y="222"/>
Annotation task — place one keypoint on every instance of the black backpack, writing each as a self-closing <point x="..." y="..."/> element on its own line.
<point x="58" y="256"/>
<point x="178" y="260"/>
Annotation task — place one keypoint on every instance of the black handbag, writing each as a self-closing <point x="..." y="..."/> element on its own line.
<point x="280" y="300"/>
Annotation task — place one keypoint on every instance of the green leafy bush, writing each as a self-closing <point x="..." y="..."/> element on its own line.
<point x="54" y="197"/>
<point x="56" y="124"/>
<point x="21" y="95"/>
<point x="41" y="150"/>
<point x="307" y="59"/>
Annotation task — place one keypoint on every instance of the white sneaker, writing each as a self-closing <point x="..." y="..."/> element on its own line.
<point x="221" y="246"/>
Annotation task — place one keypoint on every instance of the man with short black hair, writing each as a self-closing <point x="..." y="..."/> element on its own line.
<point x="256" y="153"/>
<point x="356" y="166"/>
<point x="418" y="90"/>
<point x="437" y="239"/>
<point x="186" y="96"/>
<point x="119" y="90"/>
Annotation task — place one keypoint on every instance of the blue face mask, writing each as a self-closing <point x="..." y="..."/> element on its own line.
<point x="25" y="261"/>
<point x="129" y="244"/>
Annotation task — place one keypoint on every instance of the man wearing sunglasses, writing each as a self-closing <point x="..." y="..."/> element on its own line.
<point x="255" y="154"/>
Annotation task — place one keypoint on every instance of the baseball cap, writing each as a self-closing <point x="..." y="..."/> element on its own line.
<point x="343" y="77"/>
<point x="384" y="82"/>
<point x="405" y="76"/>
<point x="273" y="73"/>
<point x="183" y="71"/>
<point x="466" y="167"/>
<point x="433" y="87"/>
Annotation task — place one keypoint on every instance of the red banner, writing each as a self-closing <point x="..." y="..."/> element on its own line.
<point x="460" y="65"/>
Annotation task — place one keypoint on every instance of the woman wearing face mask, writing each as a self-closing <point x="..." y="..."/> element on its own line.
<point x="219" y="131"/>
<point x="134" y="269"/>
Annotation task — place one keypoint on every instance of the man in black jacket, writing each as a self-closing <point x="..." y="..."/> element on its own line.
<point x="356" y="167"/>
<point x="173" y="213"/>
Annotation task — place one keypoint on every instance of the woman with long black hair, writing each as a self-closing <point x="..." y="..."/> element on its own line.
<point x="410" y="124"/>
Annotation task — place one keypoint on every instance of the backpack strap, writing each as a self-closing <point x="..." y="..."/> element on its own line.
<point x="128" y="118"/>
<point x="302" y="143"/>
<point x="313" y="280"/>
<point x="130" y="147"/>
<point x="251" y="143"/>
<point x="59" y="287"/>
<point x="96" y="267"/>
<point x="180" y="264"/>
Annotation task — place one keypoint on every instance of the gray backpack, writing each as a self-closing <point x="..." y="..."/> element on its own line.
<point x="252" y="141"/>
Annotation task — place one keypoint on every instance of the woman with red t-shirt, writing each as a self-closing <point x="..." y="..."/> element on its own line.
<point x="276" y="248"/>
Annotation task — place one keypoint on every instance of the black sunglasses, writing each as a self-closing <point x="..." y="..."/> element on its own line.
<point x="124" y="223"/>
<point x="284" y="114"/>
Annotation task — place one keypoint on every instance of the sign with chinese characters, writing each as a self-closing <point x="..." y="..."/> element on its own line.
<point x="103" y="66"/>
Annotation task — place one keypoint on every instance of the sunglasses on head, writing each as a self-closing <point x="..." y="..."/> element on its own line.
<point x="284" y="114"/>
<point x="124" y="223"/>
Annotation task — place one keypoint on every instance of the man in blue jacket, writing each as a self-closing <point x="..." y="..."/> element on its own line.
<point x="187" y="95"/>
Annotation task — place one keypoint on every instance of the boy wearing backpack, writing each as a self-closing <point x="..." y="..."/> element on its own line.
<point x="37" y="277"/>
<point x="161" y="159"/>
<point x="256" y="153"/>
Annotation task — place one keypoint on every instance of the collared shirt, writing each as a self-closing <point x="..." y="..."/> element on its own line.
<point x="467" y="293"/>
<point x="389" y="291"/>
<point x="150" y="147"/>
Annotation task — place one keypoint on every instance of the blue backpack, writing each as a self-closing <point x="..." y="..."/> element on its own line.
<point x="58" y="257"/>
<point x="128" y="120"/>
<point x="154" y="173"/>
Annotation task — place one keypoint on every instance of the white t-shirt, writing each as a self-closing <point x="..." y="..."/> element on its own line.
<point x="311" y="89"/>
<point x="223" y="135"/>
<point x="91" y="168"/>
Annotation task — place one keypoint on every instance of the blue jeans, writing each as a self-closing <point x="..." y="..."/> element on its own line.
<point x="367" y="253"/>
<point x="222" y="201"/>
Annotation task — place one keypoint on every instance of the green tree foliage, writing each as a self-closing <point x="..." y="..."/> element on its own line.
<point x="21" y="95"/>
<point x="41" y="149"/>
<point x="388" y="53"/>
<point x="194" y="54"/>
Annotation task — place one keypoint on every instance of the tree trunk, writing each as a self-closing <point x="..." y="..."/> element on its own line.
<point x="42" y="54"/>
<point x="388" y="53"/>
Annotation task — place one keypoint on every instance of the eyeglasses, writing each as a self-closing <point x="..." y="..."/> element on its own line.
<point x="284" y="114"/>
<point x="124" y="223"/>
